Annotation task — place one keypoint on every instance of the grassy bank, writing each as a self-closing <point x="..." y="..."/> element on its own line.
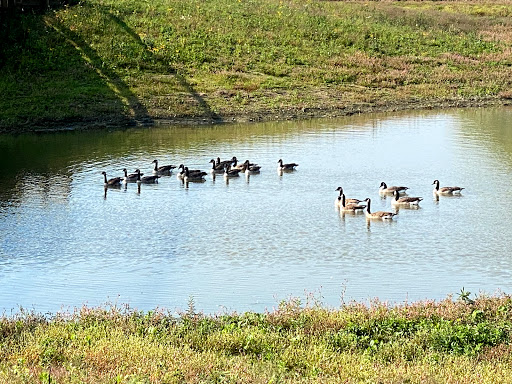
<point x="123" y="61"/>
<point x="461" y="341"/>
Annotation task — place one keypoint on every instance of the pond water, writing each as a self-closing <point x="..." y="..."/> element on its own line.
<point x="249" y="243"/>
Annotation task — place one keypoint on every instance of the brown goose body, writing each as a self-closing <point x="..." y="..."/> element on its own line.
<point x="445" y="190"/>
<point x="146" y="179"/>
<point x="113" y="182"/>
<point x="217" y="168"/>
<point x="224" y="162"/>
<point x="380" y="215"/>
<point x="130" y="177"/>
<point x="193" y="176"/>
<point x="286" y="167"/>
<point x="229" y="172"/>
<point x="350" y="207"/>
<point x="250" y="168"/>
<point x="390" y="190"/>
<point x="406" y="200"/>
<point x="337" y="202"/>
<point x="162" y="170"/>
<point x="181" y="173"/>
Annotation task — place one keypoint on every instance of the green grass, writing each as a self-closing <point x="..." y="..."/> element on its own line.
<point x="435" y="342"/>
<point x="140" y="60"/>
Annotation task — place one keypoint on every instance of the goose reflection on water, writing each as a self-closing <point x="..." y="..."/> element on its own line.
<point x="120" y="187"/>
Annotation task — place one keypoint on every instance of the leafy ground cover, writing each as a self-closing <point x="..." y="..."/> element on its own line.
<point x="451" y="341"/>
<point x="101" y="62"/>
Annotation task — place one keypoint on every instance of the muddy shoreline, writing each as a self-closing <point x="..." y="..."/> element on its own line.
<point x="290" y="114"/>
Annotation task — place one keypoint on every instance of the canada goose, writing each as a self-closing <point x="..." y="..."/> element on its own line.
<point x="385" y="189"/>
<point x="193" y="176"/>
<point x="162" y="170"/>
<point x="130" y="178"/>
<point x="113" y="182"/>
<point x="146" y="179"/>
<point x="181" y="174"/>
<point x="379" y="214"/>
<point x="217" y="168"/>
<point x="350" y="207"/>
<point x="286" y="167"/>
<point x="445" y="190"/>
<point x="235" y="164"/>
<point x="348" y="201"/>
<point x="228" y="172"/>
<point x="405" y="201"/>
<point x="224" y="162"/>
<point x="250" y="168"/>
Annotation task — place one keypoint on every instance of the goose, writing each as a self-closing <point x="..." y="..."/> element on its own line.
<point x="146" y="179"/>
<point x="250" y="168"/>
<point x="217" y="168"/>
<point x="445" y="190"/>
<point x="228" y="172"/>
<point x="113" y="182"/>
<point x="235" y="164"/>
<point x="224" y="162"/>
<point x="193" y="176"/>
<point x="286" y="167"/>
<point x="181" y="174"/>
<point x="405" y="201"/>
<point x="130" y="178"/>
<point x="337" y="202"/>
<point x="381" y="215"/>
<point x="164" y="169"/>
<point x="350" y="207"/>
<point x="385" y="189"/>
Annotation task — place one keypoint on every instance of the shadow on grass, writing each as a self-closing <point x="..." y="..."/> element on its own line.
<point x="205" y="108"/>
<point x="54" y="77"/>
<point x="136" y="110"/>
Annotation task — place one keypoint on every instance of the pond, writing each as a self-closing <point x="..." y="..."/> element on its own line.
<point x="247" y="243"/>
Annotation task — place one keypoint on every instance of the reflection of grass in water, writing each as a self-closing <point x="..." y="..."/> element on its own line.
<point x="178" y="59"/>
<point x="463" y="341"/>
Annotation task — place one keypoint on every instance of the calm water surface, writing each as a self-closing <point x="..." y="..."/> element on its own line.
<point x="251" y="242"/>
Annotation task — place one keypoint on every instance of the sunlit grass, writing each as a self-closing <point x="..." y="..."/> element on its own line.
<point x="222" y="58"/>
<point x="462" y="341"/>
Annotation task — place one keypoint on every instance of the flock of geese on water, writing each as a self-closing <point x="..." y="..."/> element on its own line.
<point x="232" y="168"/>
<point x="400" y="200"/>
<point x="228" y="168"/>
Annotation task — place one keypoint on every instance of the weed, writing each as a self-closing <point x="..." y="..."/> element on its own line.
<point x="459" y="342"/>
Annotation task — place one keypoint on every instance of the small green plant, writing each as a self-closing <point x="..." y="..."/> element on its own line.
<point x="464" y="297"/>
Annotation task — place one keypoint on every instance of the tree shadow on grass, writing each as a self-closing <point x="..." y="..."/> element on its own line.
<point x="167" y="70"/>
<point x="134" y="108"/>
<point x="54" y="77"/>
